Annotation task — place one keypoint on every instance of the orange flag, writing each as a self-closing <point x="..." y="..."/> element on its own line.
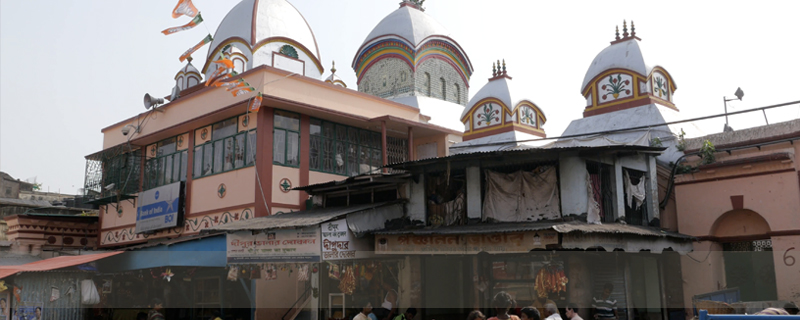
<point x="241" y="91"/>
<point x="184" y="7"/>
<point x="197" y="20"/>
<point x="255" y="104"/>
<point x="191" y="50"/>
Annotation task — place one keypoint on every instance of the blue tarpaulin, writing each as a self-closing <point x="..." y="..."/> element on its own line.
<point x="198" y="251"/>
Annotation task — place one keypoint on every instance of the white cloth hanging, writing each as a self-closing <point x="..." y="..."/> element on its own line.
<point x="522" y="196"/>
<point x="634" y="192"/>
<point x="592" y="207"/>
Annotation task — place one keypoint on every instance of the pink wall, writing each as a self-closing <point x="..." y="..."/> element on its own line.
<point x="239" y="185"/>
<point x="776" y="197"/>
<point x="703" y="271"/>
<point x="786" y="252"/>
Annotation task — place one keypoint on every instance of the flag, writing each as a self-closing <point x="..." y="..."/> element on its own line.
<point x="225" y="62"/>
<point x="221" y="74"/>
<point x="184" y="7"/>
<point x="238" y="92"/>
<point x="191" y="50"/>
<point x="197" y="20"/>
<point x="255" y="104"/>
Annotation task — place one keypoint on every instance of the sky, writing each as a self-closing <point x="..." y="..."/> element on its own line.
<point x="70" y="68"/>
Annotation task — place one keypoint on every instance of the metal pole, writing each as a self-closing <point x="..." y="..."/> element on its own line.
<point x="725" y="102"/>
<point x="765" y="116"/>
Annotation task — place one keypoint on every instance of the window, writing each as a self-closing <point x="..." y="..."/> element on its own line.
<point x="427" y="84"/>
<point x="286" y="139"/>
<point x="344" y="150"/>
<point x="457" y="93"/>
<point x="167" y="166"/>
<point x="444" y="88"/>
<point x="602" y="187"/>
<point x="227" y="150"/>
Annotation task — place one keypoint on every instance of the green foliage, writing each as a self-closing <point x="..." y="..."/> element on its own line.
<point x="707" y="152"/>
<point x="681" y="141"/>
<point x="656" y="142"/>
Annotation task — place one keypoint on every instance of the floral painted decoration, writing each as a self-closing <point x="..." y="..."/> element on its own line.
<point x="488" y="115"/>
<point x="528" y="116"/>
<point x="616" y="86"/>
<point x="661" y="87"/>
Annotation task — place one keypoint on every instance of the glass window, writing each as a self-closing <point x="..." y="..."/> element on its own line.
<point x="228" y="150"/>
<point x="167" y="166"/>
<point x="344" y="150"/>
<point x="286" y="143"/>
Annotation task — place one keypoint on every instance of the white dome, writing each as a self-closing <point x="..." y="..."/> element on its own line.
<point x="254" y="26"/>
<point x="502" y="89"/>
<point x="624" y="55"/>
<point x="409" y="23"/>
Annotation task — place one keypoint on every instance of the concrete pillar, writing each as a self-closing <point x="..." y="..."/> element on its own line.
<point x="474" y="200"/>
<point x="651" y="186"/>
<point x="619" y="191"/>
<point x="416" y="203"/>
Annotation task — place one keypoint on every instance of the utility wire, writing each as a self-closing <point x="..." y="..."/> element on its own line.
<point x="634" y="128"/>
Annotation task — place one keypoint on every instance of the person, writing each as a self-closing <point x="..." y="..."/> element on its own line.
<point x="366" y="308"/>
<point x="155" y="313"/>
<point x="791" y="308"/>
<point x="572" y="312"/>
<point x="605" y="308"/>
<point x="540" y="302"/>
<point x="3" y="306"/>
<point x="37" y="313"/>
<point x="551" y="312"/>
<point x="141" y="316"/>
<point x="773" y="312"/>
<point x="216" y="315"/>
<point x="476" y="315"/>
<point x="530" y="313"/>
<point x="387" y="309"/>
<point x="410" y="313"/>
<point x="502" y="302"/>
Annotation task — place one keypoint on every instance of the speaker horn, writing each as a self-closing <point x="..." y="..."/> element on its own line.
<point x="150" y="101"/>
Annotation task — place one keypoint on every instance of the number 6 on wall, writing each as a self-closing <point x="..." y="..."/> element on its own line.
<point x="786" y="257"/>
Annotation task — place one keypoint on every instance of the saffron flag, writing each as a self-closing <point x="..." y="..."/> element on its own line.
<point x="197" y="20"/>
<point x="255" y="104"/>
<point x="241" y="91"/>
<point x="191" y="50"/>
<point x="184" y="7"/>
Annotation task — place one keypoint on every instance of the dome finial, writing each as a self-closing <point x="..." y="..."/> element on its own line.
<point x="633" y="30"/>
<point x="494" y="70"/>
<point x="416" y="4"/>
<point x="504" y="66"/>
<point x="617" y="38"/>
<point x="189" y="58"/>
<point x="333" y="67"/>
<point x="624" y="29"/>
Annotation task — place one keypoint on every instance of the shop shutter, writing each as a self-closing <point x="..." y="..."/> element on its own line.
<point x="610" y="267"/>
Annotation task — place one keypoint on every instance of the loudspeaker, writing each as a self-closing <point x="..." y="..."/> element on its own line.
<point x="150" y="101"/>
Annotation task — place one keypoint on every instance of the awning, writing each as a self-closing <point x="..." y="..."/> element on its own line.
<point x="54" y="263"/>
<point x="191" y="251"/>
<point x="574" y="235"/>
<point x="297" y="219"/>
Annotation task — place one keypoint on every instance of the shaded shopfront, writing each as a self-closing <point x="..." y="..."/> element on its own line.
<point x="463" y="267"/>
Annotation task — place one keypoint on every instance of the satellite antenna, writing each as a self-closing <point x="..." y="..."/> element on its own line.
<point x="150" y="102"/>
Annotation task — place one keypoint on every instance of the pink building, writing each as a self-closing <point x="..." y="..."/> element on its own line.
<point x="743" y="207"/>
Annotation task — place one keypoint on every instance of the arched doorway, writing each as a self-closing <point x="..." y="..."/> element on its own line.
<point x="749" y="263"/>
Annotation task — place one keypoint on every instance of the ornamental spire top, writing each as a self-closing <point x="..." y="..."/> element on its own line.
<point x="416" y="4"/>
<point x="625" y="35"/>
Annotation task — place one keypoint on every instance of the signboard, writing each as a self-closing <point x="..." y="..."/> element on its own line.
<point x="339" y="243"/>
<point x="513" y="242"/>
<point x="284" y="245"/>
<point x="159" y="208"/>
<point x="28" y="311"/>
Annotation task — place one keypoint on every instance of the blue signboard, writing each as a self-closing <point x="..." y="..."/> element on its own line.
<point x="159" y="208"/>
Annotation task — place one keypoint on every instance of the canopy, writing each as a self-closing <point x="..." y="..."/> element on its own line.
<point x="54" y="263"/>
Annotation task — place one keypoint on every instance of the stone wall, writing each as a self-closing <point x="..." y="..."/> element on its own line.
<point x="438" y="71"/>
<point x="393" y="78"/>
<point x="388" y="78"/>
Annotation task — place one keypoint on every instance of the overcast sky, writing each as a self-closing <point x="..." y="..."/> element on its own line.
<point x="69" y="68"/>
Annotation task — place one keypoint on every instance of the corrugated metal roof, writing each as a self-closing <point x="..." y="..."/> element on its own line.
<point x="374" y="178"/>
<point x="296" y="219"/>
<point x="54" y="263"/>
<point x="519" y="152"/>
<point x="561" y="227"/>
<point x="25" y="202"/>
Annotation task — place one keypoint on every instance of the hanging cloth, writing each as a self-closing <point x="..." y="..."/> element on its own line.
<point x="592" y="207"/>
<point x="634" y="192"/>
